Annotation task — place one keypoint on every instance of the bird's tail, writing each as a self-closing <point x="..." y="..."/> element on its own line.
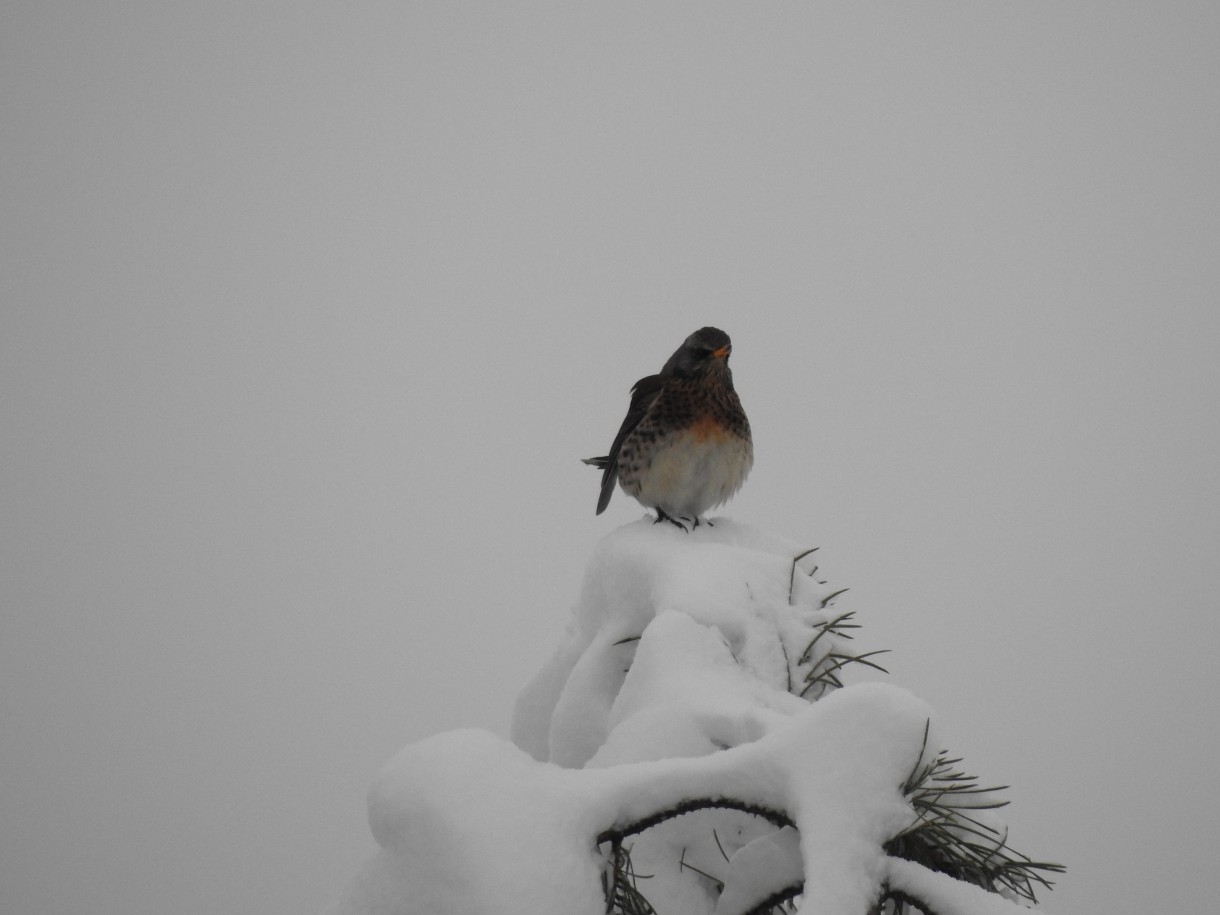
<point x="609" y="468"/>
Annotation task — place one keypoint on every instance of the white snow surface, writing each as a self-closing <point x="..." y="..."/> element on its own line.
<point x="729" y="579"/>
<point x="672" y="684"/>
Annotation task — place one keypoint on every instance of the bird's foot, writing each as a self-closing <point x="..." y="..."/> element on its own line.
<point x="661" y="516"/>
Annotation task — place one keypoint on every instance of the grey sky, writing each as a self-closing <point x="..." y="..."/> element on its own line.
<point x="309" y="314"/>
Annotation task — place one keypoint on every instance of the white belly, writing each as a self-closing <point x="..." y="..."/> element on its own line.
<point x="693" y="473"/>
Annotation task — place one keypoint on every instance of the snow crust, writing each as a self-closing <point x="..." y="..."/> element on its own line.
<point x="673" y="684"/>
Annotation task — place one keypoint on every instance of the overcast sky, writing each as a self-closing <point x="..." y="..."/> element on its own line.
<point x="309" y="312"/>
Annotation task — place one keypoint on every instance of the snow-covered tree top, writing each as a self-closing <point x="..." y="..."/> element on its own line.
<point x="673" y="729"/>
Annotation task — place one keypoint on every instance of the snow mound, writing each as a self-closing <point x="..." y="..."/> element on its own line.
<point x="738" y="584"/>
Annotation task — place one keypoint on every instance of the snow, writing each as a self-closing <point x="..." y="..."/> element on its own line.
<point x="952" y="897"/>
<point x="467" y="822"/>
<point x="673" y="684"/>
<point x="771" y="860"/>
<point x="729" y="577"/>
<point x="453" y="815"/>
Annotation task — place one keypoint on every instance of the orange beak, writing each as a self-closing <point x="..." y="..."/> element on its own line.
<point x="722" y="353"/>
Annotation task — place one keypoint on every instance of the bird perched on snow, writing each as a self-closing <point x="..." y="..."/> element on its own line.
<point x="685" y="445"/>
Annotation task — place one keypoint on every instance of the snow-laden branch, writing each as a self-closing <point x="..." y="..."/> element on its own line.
<point x="472" y="824"/>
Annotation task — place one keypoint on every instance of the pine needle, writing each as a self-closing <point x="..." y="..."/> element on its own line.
<point x="945" y="837"/>
<point x="824" y="674"/>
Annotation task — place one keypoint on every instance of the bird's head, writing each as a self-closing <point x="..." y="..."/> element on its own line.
<point x="704" y="352"/>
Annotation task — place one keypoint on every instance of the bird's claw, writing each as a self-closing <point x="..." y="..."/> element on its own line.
<point x="678" y="522"/>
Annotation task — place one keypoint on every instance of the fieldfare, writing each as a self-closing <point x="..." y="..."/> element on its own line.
<point x="685" y="445"/>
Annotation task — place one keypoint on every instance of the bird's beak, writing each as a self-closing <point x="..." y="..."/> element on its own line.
<point x="722" y="353"/>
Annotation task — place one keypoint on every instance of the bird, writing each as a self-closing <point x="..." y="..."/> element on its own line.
<point x="685" y="444"/>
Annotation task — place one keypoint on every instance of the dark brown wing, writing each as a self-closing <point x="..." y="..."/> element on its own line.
<point x="643" y="393"/>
